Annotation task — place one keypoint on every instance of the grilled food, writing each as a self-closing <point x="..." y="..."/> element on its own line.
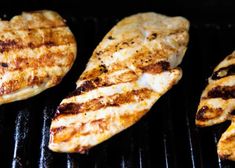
<point x="131" y="68"/>
<point x="226" y="144"/>
<point x="217" y="100"/>
<point x="217" y="104"/>
<point x="36" y="50"/>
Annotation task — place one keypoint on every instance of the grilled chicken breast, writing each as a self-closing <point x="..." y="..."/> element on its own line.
<point x="218" y="102"/>
<point x="130" y="69"/>
<point x="36" y="50"/>
<point x="226" y="144"/>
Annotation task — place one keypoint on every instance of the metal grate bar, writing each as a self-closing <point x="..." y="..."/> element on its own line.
<point x="218" y="159"/>
<point x="71" y="162"/>
<point x="166" y="152"/>
<point x="21" y="139"/>
<point x="46" y="157"/>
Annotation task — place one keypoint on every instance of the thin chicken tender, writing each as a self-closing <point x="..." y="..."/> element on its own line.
<point x="130" y="69"/>
<point x="218" y="102"/>
<point x="36" y="50"/>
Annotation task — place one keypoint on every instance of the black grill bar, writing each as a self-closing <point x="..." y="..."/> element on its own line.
<point x="21" y="137"/>
<point x="71" y="162"/>
<point x="140" y="158"/>
<point x="45" y="158"/>
<point x="166" y="153"/>
<point x="191" y="144"/>
<point x="219" y="160"/>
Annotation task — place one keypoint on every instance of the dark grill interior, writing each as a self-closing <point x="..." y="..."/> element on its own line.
<point x="165" y="137"/>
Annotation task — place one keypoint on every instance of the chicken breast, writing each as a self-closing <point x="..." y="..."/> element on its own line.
<point x="217" y="104"/>
<point x="132" y="67"/>
<point x="36" y="50"/>
<point x="226" y="144"/>
<point x="218" y="99"/>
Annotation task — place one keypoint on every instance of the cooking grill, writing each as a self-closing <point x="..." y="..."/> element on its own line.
<point x="165" y="137"/>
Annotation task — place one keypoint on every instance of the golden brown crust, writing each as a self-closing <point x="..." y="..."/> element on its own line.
<point x="37" y="49"/>
<point x="226" y="144"/>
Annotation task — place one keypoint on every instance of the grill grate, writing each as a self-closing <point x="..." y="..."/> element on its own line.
<point x="165" y="137"/>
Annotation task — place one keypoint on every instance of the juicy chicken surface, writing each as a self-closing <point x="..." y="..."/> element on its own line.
<point x="217" y="104"/>
<point x="36" y="50"/>
<point x="226" y="144"/>
<point x="217" y="100"/>
<point x="130" y="69"/>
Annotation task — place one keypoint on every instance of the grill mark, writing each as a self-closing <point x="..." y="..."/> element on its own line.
<point x="140" y="59"/>
<point x="85" y="87"/>
<point x="129" y="76"/>
<point x="3" y="64"/>
<point x="14" y="85"/>
<point x="48" y="60"/>
<point x="99" y="125"/>
<point x="5" y="45"/>
<point x="153" y="36"/>
<point x="36" y="39"/>
<point x="104" y="102"/>
<point x="224" y="92"/>
<point x="64" y="133"/>
<point x="232" y="56"/>
<point x="223" y="72"/>
<point x="8" y="45"/>
<point x="211" y="113"/>
<point x="20" y="82"/>
<point x="54" y="131"/>
<point x="63" y="51"/>
<point x="157" y="68"/>
<point x="102" y="68"/>
<point x="13" y="45"/>
<point x="201" y="112"/>
<point x="46" y="44"/>
<point x="91" y="74"/>
<point x="144" y="57"/>
<point x="91" y="85"/>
